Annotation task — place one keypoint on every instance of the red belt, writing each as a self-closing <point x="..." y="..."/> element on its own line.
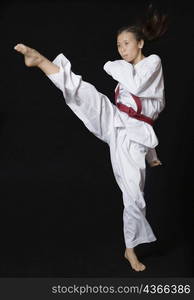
<point x="130" y="111"/>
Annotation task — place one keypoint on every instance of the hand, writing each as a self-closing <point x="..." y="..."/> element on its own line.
<point x="155" y="163"/>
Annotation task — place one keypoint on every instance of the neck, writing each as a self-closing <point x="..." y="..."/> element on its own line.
<point x="138" y="58"/>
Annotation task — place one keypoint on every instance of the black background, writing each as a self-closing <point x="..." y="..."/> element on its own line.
<point x="61" y="209"/>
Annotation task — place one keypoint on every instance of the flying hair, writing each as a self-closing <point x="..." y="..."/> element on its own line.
<point x="149" y="27"/>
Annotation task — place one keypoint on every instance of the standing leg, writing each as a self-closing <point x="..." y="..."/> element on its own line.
<point x="128" y="160"/>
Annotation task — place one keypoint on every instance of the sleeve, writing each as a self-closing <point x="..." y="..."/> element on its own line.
<point x="144" y="79"/>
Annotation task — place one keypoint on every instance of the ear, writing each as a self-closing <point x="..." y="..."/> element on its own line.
<point x="141" y="43"/>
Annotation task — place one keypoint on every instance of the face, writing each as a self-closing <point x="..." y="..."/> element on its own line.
<point x="128" y="47"/>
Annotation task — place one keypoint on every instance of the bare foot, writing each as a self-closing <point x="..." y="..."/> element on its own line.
<point x="32" y="57"/>
<point x="155" y="163"/>
<point x="133" y="260"/>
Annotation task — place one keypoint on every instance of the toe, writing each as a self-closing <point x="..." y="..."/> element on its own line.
<point x="142" y="267"/>
<point x="16" y="47"/>
<point x="21" y="48"/>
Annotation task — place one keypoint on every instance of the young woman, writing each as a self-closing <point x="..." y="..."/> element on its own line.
<point x="127" y="126"/>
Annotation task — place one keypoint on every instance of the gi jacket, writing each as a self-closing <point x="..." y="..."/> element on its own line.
<point x="145" y="80"/>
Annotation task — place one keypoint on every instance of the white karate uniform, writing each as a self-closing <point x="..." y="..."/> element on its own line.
<point x="129" y="139"/>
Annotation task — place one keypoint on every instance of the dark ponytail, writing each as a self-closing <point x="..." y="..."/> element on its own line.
<point x="154" y="25"/>
<point x="149" y="27"/>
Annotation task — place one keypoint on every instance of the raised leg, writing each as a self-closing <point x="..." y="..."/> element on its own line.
<point x="92" y="107"/>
